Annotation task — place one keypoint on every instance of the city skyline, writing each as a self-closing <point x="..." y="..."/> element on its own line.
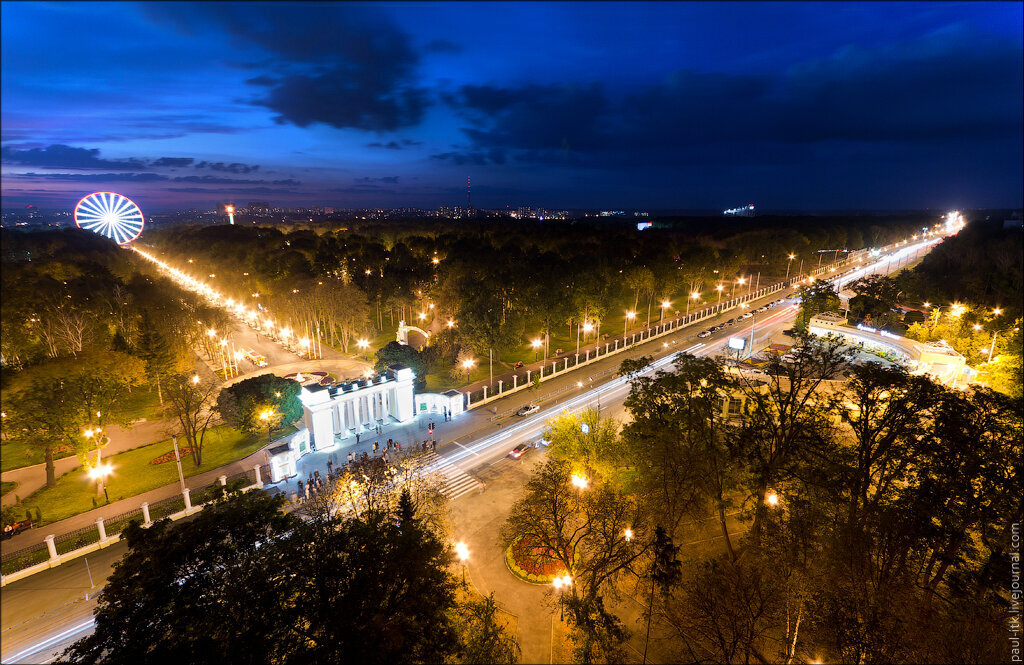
<point x="562" y="105"/>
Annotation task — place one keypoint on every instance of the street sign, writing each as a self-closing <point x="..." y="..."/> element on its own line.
<point x="585" y="428"/>
<point x="737" y="343"/>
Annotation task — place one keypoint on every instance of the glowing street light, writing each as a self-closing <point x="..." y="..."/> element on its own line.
<point x="561" y="583"/>
<point x="266" y="416"/>
<point x="772" y="499"/>
<point x="468" y="363"/>
<point x="789" y="265"/>
<point x="580" y="481"/>
<point x="231" y="214"/>
<point x="629" y="317"/>
<point x="628" y="534"/>
<point x="462" y="551"/>
<point x="451" y="324"/>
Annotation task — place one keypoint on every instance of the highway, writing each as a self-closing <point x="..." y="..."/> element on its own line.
<point x="45" y="613"/>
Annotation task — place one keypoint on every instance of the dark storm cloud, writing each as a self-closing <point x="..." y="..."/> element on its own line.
<point x="229" y="168"/>
<point x="217" y="180"/>
<point x="938" y="88"/>
<point x="234" y="190"/>
<point x="473" y="157"/>
<point x="394" y="145"/>
<point x="392" y="179"/>
<point x="346" y="66"/>
<point x="58" y="156"/>
<point x="91" y="177"/>
<point x="173" y="161"/>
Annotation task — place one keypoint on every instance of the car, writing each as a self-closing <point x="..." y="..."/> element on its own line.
<point x="518" y="451"/>
<point x="704" y="333"/>
<point x="729" y="322"/>
<point x="746" y="315"/>
<point x="518" y="365"/>
<point x="528" y="410"/>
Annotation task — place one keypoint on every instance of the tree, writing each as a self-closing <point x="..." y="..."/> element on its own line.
<point x="157" y="603"/>
<point x="875" y="301"/>
<point x="818" y="297"/>
<point x="154" y="350"/>
<point x="396" y="352"/>
<point x="783" y="420"/>
<point x="483" y="639"/>
<point x="192" y="403"/>
<point x="585" y="530"/>
<point x="241" y="404"/>
<point x="325" y="590"/>
<point x="586" y="441"/>
<point x="677" y="439"/>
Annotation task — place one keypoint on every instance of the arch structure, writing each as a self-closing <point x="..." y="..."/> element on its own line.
<point x="402" y="336"/>
<point x="336" y="412"/>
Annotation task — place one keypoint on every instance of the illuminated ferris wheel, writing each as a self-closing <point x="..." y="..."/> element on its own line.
<point x="110" y="214"/>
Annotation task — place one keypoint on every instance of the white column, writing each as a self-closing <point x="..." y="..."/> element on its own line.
<point x="588" y="355"/>
<point x="51" y="547"/>
<point x="101" y="529"/>
<point x="223" y="481"/>
<point x="259" y="478"/>
<point x="145" y="513"/>
<point x="499" y="386"/>
<point x="528" y="375"/>
<point x="515" y="381"/>
<point x="188" y="501"/>
<point x="485" y="392"/>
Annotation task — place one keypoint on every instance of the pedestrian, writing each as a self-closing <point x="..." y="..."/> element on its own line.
<point x="350" y="457"/>
<point x="357" y="437"/>
<point x="307" y="492"/>
<point x="433" y="445"/>
<point x="300" y="488"/>
<point x="399" y="446"/>
<point x="330" y="467"/>
<point x="316" y="474"/>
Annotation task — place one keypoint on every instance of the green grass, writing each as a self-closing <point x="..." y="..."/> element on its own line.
<point x="7" y="486"/>
<point x="142" y="403"/>
<point x="133" y="474"/>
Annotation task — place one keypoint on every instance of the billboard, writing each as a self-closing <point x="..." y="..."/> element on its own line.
<point x="737" y="343"/>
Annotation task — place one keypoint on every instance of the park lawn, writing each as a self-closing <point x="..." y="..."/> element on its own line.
<point x="7" y="486"/>
<point x="16" y="454"/>
<point x="133" y="474"/>
<point x="140" y="403"/>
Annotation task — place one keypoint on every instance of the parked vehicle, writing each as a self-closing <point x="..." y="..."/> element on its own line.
<point x="528" y="410"/>
<point x="704" y="333"/>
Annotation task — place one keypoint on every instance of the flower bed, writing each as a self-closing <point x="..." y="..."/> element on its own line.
<point x="169" y="457"/>
<point x="531" y="562"/>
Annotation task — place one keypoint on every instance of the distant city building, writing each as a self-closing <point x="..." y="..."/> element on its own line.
<point x="745" y="211"/>
<point x="258" y="207"/>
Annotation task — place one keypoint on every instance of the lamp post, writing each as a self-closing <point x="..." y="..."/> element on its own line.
<point x="363" y="345"/>
<point x="719" y="288"/>
<point x="741" y="281"/>
<point x="629" y="317"/>
<point x="266" y="416"/>
<point x="177" y="459"/>
<point x="463" y="553"/>
<point x="665" y="304"/>
<point x="992" y="348"/>
<point x="536" y="346"/>
<point x="562" y="582"/>
<point x="789" y="264"/>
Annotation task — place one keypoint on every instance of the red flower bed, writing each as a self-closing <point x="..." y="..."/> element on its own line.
<point x="535" y="559"/>
<point x="169" y="457"/>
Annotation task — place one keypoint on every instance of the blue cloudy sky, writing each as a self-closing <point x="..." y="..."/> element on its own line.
<point x="661" y="105"/>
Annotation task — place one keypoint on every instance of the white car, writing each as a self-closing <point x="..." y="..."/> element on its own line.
<point x="704" y="333"/>
<point x="528" y="410"/>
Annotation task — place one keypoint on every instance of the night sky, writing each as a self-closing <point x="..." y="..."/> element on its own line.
<point x="801" y="106"/>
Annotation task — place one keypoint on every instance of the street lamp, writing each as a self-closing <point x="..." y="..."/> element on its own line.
<point x="462" y="551"/>
<point x="719" y="288"/>
<point x="266" y="416"/>
<point x="788" y="265"/>
<point x="579" y="481"/>
<point x="363" y="344"/>
<point x="665" y="304"/>
<point x="772" y="499"/>
<point x="99" y="473"/>
<point x="629" y="317"/>
<point x="536" y="345"/>
<point x="561" y="583"/>
<point x="693" y="296"/>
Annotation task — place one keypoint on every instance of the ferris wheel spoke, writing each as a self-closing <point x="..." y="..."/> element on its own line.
<point x="110" y="214"/>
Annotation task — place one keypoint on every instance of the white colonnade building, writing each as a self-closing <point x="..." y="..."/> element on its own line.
<point x="335" y="412"/>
